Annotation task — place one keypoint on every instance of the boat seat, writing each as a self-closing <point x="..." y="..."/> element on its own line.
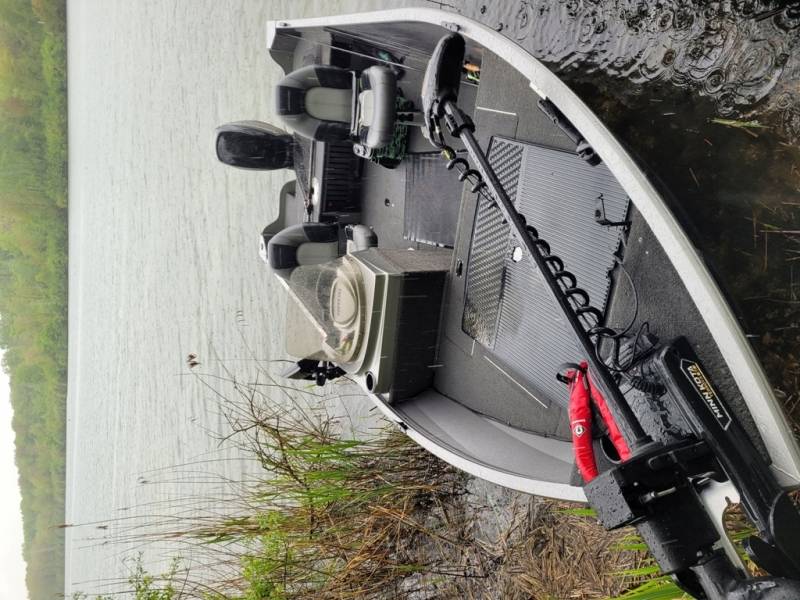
<point x="376" y="107"/>
<point x="311" y="244"/>
<point x="299" y="245"/>
<point x="330" y="104"/>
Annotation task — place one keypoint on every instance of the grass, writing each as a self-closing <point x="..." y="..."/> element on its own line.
<point x="379" y="517"/>
<point x="660" y="588"/>
<point x="333" y="517"/>
<point x="329" y="518"/>
<point x="738" y="124"/>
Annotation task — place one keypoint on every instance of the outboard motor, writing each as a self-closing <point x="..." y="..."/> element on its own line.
<point x="254" y="145"/>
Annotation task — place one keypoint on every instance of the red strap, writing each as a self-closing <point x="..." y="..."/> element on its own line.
<point x="582" y="392"/>
<point x="580" y="422"/>
<point x="613" y="430"/>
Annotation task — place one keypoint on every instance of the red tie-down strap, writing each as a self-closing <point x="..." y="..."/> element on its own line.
<point x="582" y="392"/>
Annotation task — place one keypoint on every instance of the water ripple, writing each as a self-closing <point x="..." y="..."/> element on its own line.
<point x="741" y="54"/>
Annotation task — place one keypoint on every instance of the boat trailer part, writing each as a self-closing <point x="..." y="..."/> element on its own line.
<point x="658" y="488"/>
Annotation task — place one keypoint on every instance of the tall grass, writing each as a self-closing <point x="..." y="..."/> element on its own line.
<point x="329" y="517"/>
<point x="378" y="517"/>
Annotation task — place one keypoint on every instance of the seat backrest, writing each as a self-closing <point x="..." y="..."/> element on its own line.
<point x="317" y="102"/>
<point x="377" y="106"/>
<point x="299" y="245"/>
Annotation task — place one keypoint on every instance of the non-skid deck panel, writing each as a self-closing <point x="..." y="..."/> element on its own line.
<point x="470" y="373"/>
<point x="508" y="308"/>
<point x="433" y="195"/>
<point x="506" y="105"/>
<point x="476" y="379"/>
<point x="490" y="246"/>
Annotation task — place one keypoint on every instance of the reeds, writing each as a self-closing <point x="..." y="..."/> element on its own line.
<point x="328" y="517"/>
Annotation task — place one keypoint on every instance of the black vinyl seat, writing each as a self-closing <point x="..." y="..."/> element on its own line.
<point x="329" y="104"/>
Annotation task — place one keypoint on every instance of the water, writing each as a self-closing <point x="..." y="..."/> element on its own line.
<point x="163" y="252"/>
<point x="163" y="258"/>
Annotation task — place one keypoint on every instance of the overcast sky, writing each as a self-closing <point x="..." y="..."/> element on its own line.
<point x="12" y="573"/>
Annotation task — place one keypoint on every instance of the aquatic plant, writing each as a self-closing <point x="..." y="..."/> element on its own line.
<point x="329" y="516"/>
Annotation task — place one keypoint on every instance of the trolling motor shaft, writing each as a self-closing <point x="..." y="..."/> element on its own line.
<point x="657" y="488"/>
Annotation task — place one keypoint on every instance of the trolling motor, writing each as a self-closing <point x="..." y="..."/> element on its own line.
<point x="657" y="486"/>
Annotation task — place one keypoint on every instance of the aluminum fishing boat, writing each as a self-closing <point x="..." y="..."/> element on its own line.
<point x="467" y="241"/>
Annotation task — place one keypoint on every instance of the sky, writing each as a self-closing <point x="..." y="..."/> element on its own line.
<point x="12" y="574"/>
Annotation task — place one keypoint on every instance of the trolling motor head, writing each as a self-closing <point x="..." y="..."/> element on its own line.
<point x="441" y="82"/>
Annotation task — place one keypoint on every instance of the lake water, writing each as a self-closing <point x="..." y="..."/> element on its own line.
<point x="163" y="251"/>
<point x="163" y="238"/>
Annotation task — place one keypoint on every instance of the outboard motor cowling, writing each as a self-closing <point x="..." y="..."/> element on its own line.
<point x="254" y="145"/>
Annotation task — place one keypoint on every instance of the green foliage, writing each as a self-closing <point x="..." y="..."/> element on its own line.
<point x="144" y="586"/>
<point x="326" y="518"/>
<point x="661" y="588"/>
<point x="33" y="269"/>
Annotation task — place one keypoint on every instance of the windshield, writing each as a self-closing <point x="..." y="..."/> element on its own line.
<point x="324" y="314"/>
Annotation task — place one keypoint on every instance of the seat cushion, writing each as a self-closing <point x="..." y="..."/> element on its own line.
<point x="317" y="102"/>
<point x="329" y="104"/>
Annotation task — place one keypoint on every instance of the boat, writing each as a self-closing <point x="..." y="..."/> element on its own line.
<point x="511" y="290"/>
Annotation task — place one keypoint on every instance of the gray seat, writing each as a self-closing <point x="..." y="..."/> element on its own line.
<point x="330" y="104"/>
<point x="307" y="244"/>
<point x="376" y="109"/>
<point x="299" y="245"/>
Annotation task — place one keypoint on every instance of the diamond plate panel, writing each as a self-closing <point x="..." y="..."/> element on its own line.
<point x="490" y="238"/>
<point x="508" y="308"/>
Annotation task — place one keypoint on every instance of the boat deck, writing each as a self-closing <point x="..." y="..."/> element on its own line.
<point x="509" y="374"/>
<point x="661" y="300"/>
<point x="509" y="377"/>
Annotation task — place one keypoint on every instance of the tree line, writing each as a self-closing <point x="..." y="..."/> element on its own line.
<point x="33" y="270"/>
